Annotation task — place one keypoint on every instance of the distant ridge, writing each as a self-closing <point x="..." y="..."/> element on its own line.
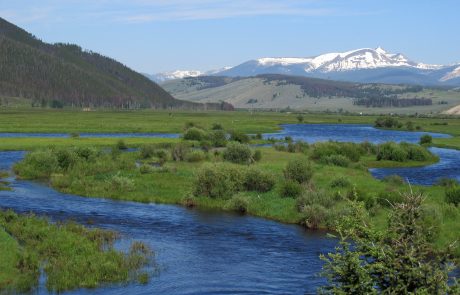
<point x="58" y="75"/>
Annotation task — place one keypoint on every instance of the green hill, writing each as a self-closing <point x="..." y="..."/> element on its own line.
<point x="274" y="91"/>
<point x="58" y="75"/>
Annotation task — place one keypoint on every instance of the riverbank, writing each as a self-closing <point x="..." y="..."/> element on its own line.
<point x="131" y="177"/>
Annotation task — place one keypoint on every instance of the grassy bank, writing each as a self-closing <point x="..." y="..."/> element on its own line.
<point x="259" y="188"/>
<point x="71" y="255"/>
<point x="68" y="121"/>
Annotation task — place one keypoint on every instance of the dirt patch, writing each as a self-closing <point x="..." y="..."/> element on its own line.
<point x="453" y="111"/>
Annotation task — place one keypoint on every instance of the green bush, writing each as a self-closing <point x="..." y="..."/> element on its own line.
<point x="417" y="153"/>
<point x="322" y="150"/>
<point x="387" y="122"/>
<point x="239" y="137"/>
<point x="218" y="138"/>
<point x="195" y="156"/>
<point x="66" y="158"/>
<point x="239" y="203"/>
<point x="257" y="156"/>
<point x="218" y="180"/>
<point x="238" y="153"/>
<point x="426" y="139"/>
<point x="37" y="165"/>
<point x="388" y="199"/>
<point x="217" y="126"/>
<point x="147" y="151"/>
<point x="391" y="151"/>
<point x="453" y="195"/>
<point x="145" y="169"/>
<point x="298" y="170"/>
<point x="121" y="183"/>
<point x="290" y="189"/>
<point x="74" y="135"/>
<point x="309" y="198"/>
<point x="393" y="179"/>
<point x="86" y="153"/>
<point x="447" y="182"/>
<point x="195" y="133"/>
<point x="313" y="216"/>
<point x="258" y="180"/>
<point x="121" y="145"/>
<point x="179" y="151"/>
<point x="340" y="182"/>
<point x="336" y="160"/>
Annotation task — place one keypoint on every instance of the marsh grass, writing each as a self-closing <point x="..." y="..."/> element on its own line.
<point x="71" y="255"/>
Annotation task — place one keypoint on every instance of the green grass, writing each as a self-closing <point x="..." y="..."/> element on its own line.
<point x="71" y="255"/>
<point x="32" y="143"/>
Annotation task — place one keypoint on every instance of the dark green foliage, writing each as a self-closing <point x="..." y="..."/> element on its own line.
<point x="393" y="179"/>
<point x="447" y="182"/>
<point x="195" y="156"/>
<point x="258" y="180"/>
<point x="398" y="260"/>
<point x="195" y="133"/>
<point x="74" y="135"/>
<point x="218" y="181"/>
<point x="389" y="199"/>
<point x="218" y="138"/>
<point x="336" y="160"/>
<point x="239" y="203"/>
<point x="387" y="122"/>
<point x="309" y="198"/>
<point x="453" y="195"/>
<point x="426" y="139"/>
<point x="179" y="151"/>
<point x="58" y="75"/>
<point x="238" y="153"/>
<point x="298" y="170"/>
<point x="313" y="216"/>
<point x="402" y="152"/>
<point x="340" y="182"/>
<point x="239" y="137"/>
<point x="290" y="189"/>
<point x="257" y="156"/>
<point x="121" y="145"/>
<point x="66" y="158"/>
<point x="217" y="126"/>
<point x="322" y="150"/>
<point x="300" y="118"/>
<point x="37" y="165"/>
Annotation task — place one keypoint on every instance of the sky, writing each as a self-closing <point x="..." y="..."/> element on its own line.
<point x="154" y="36"/>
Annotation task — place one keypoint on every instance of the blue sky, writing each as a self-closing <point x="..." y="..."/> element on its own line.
<point x="160" y="35"/>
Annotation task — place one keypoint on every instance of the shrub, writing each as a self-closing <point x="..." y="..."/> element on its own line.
<point x="217" y="126"/>
<point x="447" y="182"/>
<point x="392" y="152"/>
<point x="258" y="180"/>
<point x="194" y="133"/>
<point x="259" y="136"/>
<point x="195" y="156"/>
<point x="257" y="156"/>
<point x="313" y="216"/>
<point x="86" y="153"/>
<point x="280" y="147"/>
<point x="239" y="203"/>
<point x="387" y="122"/>
<point x="145" y="169"/>
<point x="121" y="183"/>
<point x="393" y="179"/>
<point x="74" y="135"/>
<point x="37" y="165"/>
<point x="453" y="195"/>
<point x="290" y="189"/>
<point x="309" y="198"/>
<point x="66" y="158"/>
<point x="298" y="170"/>
<point x="321" y="150"/>
<point x="121" y="145"/>
<point x="179" y="151"/>
<point x="417" y="153"/>
<point x="388" y="199"/>
<point x="147" y="151"/>
<point x="239" y="137"/>
<point x="336" y="160"/>
<point x="238" y="153"/>
<point x="162" y="156"/>
<point x="426" y="139"/>
<point x="218" y="138"/>
<point x="340" y="182"/>
<point x="218" y="181"/>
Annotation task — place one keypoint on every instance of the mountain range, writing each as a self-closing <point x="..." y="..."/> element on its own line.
<point x="364" y="65"/>
<point x="58" y="75"/>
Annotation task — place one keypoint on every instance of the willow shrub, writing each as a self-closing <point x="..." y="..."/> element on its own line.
<point x="298" y="170"/>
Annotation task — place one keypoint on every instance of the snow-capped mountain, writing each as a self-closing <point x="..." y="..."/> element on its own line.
<point x="361" y="65"/>
<point x="180" y="74"/>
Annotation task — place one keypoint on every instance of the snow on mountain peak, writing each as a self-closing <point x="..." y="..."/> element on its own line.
<point x="364" y="58"/>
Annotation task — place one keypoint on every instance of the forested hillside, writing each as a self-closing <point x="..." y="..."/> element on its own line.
<point x="58" y="75"/>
